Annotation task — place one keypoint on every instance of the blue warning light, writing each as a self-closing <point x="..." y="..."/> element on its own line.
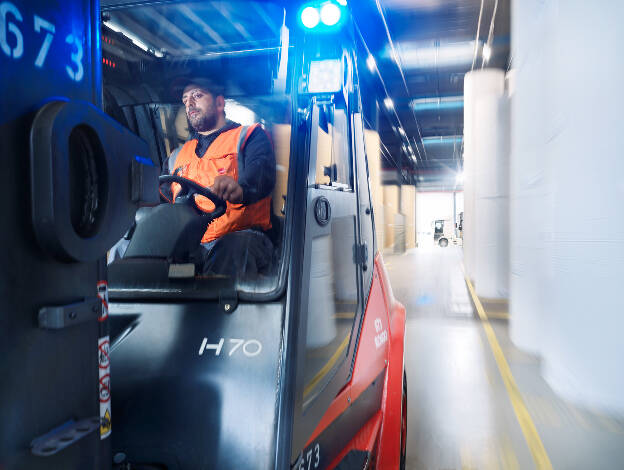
<point x="330" y="14"/>
<point x="323" y="16"/>
<point x="310" y="17"/>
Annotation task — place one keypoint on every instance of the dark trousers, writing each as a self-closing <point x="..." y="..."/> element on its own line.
<point x="243" y="255"/>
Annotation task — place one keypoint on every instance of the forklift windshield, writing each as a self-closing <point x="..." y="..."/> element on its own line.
<point x="237" y="53"/>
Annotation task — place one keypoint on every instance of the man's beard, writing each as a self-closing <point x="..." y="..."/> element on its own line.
<point x="203" y="122"/>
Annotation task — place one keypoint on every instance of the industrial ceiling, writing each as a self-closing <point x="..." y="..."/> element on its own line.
<point x="421" y="50"/>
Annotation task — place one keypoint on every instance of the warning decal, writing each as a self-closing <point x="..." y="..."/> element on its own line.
<point x="104" y="386"/>
<point x="105" y="389"/>
<point x="103" y="353"/>
<point x="102" y="292"/>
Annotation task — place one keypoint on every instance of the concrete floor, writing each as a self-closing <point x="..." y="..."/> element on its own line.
<point x="462" y="414"/>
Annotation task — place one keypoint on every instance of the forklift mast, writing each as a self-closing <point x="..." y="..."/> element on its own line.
<point x="73" y="181"/>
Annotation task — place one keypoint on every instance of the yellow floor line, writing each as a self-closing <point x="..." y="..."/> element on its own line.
<point x="327" y="367"/>
<point x="499" y="315"/>
<point x="540" y="457"/>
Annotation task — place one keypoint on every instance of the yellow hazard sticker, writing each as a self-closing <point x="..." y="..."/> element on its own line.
<point x="105" y="425"/>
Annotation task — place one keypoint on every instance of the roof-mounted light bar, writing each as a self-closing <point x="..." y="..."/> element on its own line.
<point x="323" y="16"/>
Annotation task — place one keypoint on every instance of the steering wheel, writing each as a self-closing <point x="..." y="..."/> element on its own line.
<point x="189" y="189"/>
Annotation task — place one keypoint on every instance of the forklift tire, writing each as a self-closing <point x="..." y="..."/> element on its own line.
<point x="443" y="242"/>
<point x="404" y="423"/>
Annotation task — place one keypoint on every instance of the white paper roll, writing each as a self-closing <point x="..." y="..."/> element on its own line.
<point x="530" y="184"/>
<point x="584" y="351"/>
<point x="477" y="83"/>
<point x="567" y="190"/>
<point x="491" y="195"/>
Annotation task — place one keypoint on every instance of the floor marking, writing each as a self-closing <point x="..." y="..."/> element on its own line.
<point x="496" y="301"/>
<point x="499" y="315"/>
<point x="538" y="452"/>
<point x="344" y="316"/>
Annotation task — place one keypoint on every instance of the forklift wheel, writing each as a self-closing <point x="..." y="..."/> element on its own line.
<point x="443" y="242"/>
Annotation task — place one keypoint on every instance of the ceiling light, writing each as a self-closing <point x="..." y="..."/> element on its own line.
<point x="132" y="37"/>
<point x="388" y="103"/>
<point x="426" y="54"/>
<point x="487" y="53"/>
<point x="342" y="2"/>
<point x="444" y="140"/>
<point x="437" y="103"/>
<point x="310" y="17"/>
<point x="330" y="14"/>
<point x="370" y="63"/>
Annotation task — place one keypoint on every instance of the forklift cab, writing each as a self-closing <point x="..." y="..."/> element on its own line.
<point x="298" y="367"/>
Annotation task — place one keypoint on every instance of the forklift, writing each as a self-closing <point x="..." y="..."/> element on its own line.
<point x="146" y="363"/>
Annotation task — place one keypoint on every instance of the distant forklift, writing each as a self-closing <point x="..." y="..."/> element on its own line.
<point x="445" y="232"/>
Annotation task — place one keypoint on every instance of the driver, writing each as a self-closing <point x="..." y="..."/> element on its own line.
<point x="236" y="163"/>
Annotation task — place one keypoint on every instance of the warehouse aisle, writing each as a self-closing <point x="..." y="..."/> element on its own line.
<point x="462" y="413"/>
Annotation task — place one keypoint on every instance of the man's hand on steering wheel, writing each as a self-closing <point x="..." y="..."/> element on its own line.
<point x="228" y="189"/>
<point x="187" y="192"/>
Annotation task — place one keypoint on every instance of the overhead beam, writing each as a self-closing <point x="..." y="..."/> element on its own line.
<point x="171" y="28"/>
<point x="191" y="15"/>
<point x="126" y="21"/>
<point x="266" y="18"/>
<point x="221" y="8"/>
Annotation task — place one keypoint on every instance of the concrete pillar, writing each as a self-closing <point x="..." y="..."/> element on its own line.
<point x="578" y="157"/>
<point x="373" y="153"/>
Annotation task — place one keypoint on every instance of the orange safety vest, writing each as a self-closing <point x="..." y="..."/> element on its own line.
<point x="221" y="158"/>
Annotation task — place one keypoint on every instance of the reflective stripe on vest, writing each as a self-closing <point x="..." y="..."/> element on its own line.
<point x="223" y="157"/>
